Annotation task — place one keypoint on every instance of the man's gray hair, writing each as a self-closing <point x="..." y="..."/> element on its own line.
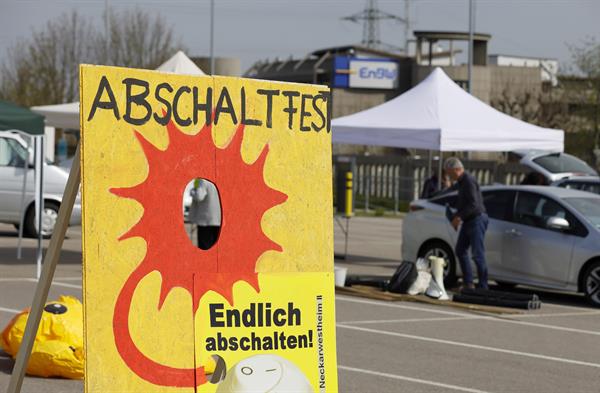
<point x="453" y="163"/>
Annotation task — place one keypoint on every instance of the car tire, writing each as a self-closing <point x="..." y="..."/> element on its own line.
<point x="48" y="221"/>
<point x="441" y="249"/>
<point x="591" y="284"/>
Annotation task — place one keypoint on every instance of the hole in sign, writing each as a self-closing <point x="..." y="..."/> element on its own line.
<point x="202" y="210"/>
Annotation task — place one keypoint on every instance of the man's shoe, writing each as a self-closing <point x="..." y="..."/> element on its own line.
<point x="466" y="287"/>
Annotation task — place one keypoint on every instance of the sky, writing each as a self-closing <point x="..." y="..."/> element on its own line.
<point x="252" y="30"/>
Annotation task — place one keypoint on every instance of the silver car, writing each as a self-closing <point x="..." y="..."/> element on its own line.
<point x="13" y="152"/>
<point x="583" y="183"/>
<point x="555" y="166"/>
<point x="540" y="236"/>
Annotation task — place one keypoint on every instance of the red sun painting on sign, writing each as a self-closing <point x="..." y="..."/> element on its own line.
<point x="244" y="197"/>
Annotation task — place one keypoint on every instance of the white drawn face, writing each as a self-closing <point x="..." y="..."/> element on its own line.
<point x="257" y="374"/>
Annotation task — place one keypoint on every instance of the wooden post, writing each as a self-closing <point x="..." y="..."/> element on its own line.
<point x="43" y="286"/>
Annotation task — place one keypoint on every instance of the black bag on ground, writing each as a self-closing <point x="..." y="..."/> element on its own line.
<point x="403" y="278"/>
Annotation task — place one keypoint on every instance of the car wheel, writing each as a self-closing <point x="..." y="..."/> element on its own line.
<point x="591" y="284"/>
<point x="49" y="217"/>
<point x="441" y="249"/>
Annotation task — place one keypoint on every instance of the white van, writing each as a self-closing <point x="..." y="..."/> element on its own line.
<point x="13" y="152"/>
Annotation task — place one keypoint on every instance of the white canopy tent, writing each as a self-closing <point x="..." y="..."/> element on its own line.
<point x="180" y="64"/>
<point x="61" y="115"/>
<point x="437" y="114"/>
<point x="67" y="115"/>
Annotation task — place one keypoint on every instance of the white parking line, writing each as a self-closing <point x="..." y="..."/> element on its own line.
<point x="564" y="306"/>
<point x="472" y="346"/>
<point x="474" y="317"/>
<point x="64" y="284"/>
<point x="386" y="304"/>
<point x="9" y="310"/>
<point x="375" y="321"/>
<point x="541" y="325"/>
<point x="25" y="279"/>
<point x="556" y="314"/>
<point x="502" y="318"/>
<point x="395" y="305"/>
<point x="469" y="316"/>
<point x="409" y="379"/>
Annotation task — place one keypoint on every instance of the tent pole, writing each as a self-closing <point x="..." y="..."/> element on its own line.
<point x="23" y="191"/>
<point x="39" y="197"/>
<point x="440" y="171"/>
<point x="429" y="172"/>
<point x="212" y="37"/>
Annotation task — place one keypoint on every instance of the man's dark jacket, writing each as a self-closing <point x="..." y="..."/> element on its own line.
<point x="469" y="203"/>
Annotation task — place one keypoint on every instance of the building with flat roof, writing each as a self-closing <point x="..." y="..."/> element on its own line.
<point x="362" y="77"/>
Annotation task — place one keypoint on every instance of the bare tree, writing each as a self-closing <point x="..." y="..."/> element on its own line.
<point x="563" y="107"/>
<point x="45" y="68"/>
<point x="586" y="57"/>
<point x="546" y="108"/>
<point x="137" y="40"/>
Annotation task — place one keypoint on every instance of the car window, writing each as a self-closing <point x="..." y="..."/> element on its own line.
<point x="11" y="153"/>
<point x="583" y="186"/>
<point x="572" y="185"/>
<point x="535" y="210"/>
<point x="560" y="163"/>
<point x="588" y="207"/>
<point x="499" y="204"/>
<point x="591" y="187"/>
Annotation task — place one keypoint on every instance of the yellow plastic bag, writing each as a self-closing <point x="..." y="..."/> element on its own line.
<point x="58" y="347"/>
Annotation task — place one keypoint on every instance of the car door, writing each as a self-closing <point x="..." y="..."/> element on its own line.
<point x="499" y="205"/>
<point x="440" y="216"/>
<point x="532" y="252"/>
<point x="12" y="160"/>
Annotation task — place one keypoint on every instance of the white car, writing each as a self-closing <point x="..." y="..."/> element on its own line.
<point x="555" y="166"/>
<point x="13" y="152"/>
<point x="539" y="236"/>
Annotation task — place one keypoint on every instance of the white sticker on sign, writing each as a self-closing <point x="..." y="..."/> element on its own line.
<point x="373" y="74"/>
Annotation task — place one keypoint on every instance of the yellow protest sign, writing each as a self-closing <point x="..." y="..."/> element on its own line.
<point x="253" y="312"/>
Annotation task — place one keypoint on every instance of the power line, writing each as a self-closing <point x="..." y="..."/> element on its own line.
<point x="371" y="17"/>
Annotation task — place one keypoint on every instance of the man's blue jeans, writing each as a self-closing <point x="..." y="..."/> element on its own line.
<point x="472" y="234"/>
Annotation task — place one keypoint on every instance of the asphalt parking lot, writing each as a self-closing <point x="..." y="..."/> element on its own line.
<point x="384" y="346"/>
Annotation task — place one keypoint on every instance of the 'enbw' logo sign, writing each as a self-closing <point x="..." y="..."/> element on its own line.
<point x="378" y="73"/>
<point x="373" y="74"/>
